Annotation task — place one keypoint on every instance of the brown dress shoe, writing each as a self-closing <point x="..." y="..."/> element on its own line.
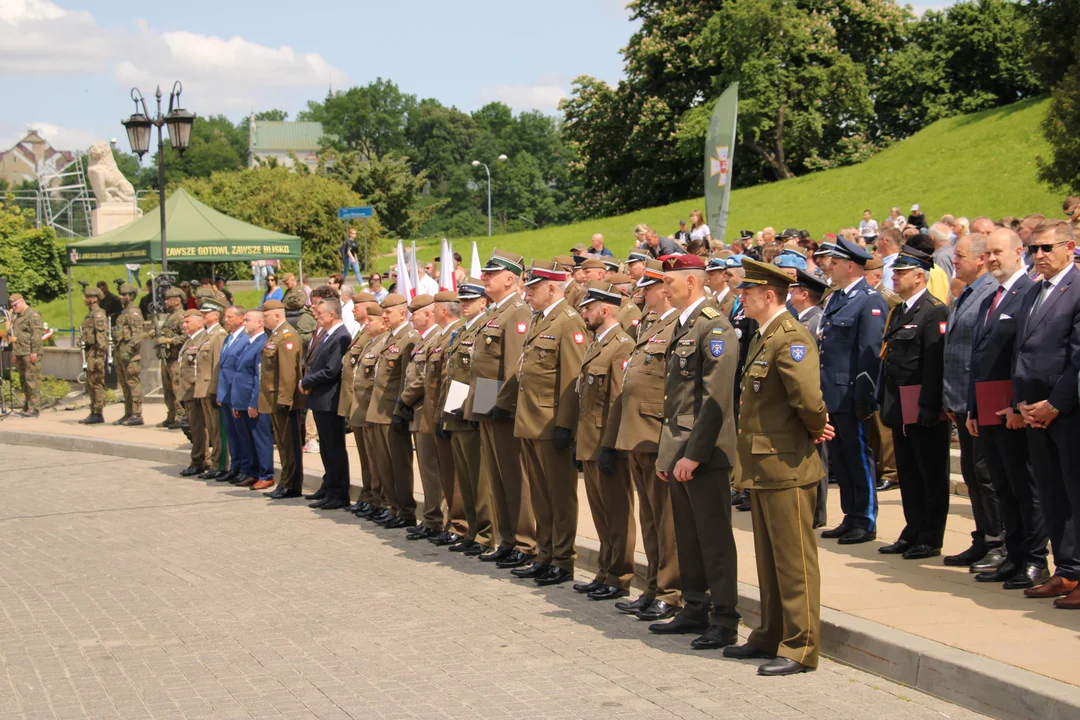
<point x="262" y="485"/>
<point x="1070" y="601"/>
<point x="250" y="482"/>
<point x="1053" y="587"/>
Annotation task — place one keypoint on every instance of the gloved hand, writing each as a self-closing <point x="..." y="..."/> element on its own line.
<point x="474" y="425"/>
<point x="606" y="461"/>
<point x="863" y="411"/>
<point x="399" y="424"/>
<point x="406" y="412"/>
<point x="564" y="438"/>
<point x="499" y="414"/>
<point x="459" y="414"/>
<point x="441" y="432"/>
<point x="929" y="417"/>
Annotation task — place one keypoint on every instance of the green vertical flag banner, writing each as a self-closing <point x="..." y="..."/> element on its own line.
<point x="719" y="157"/>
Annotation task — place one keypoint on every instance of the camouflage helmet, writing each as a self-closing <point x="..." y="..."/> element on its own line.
<point x="93" y="292"/>
<point x="128" y="289"/>
<point x="174" y="293"/>
<point x="295" y="300"/>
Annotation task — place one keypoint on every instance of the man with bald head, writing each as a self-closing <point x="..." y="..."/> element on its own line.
<point x="279" y="397"/>
<point x="597" y="247"/>
<point x="941" y="234"/>
<point x="254" y="441"/>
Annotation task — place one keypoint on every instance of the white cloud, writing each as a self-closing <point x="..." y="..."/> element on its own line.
<point x="40" y="38"/>
<point x="524" y="97"/>
<point x="61" y="138"/>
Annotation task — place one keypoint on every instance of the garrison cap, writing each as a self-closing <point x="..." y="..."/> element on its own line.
<point x="363" y="297"/>
<point x="637" y="256"/>
<point x="682" y="262"/>
<point x="545" y="270"/>
<point x="128" y="289"/>
<point x="847" y="250"/>
<point x="600" y="291"/>
<point x="210" y="304"/>
<point x="420" y="302"/>
<point x="654" y="273"/>
<point x="93" y="292"/>
<point x="174" y="293"/>
<point x="193" y="313"/>
<point x="910" y="258"/>
<point x="593" y="263"/>
<point x="471" y="289"/>
<point x="501" y="260"/>
<point x="811" y="283"/>
<point x="759" y="274"/>
<point x="392" y="300"/>
<point x="273" y="305"/>
<point x="446" y="296"/>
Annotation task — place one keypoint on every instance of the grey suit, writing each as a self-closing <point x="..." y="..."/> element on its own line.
<point x="964" y="317"/>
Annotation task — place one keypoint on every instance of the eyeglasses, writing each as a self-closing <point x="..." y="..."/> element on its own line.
<point x="1046" y="248"/>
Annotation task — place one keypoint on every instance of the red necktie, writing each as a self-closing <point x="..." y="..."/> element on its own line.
<point x="994" y="303"/>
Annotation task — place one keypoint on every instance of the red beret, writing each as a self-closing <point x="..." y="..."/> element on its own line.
<point x="688" y="261"/>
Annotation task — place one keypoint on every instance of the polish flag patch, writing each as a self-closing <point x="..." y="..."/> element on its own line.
<point x="288" y="346"/>
<point x="579" y="338"/>
<point x="942" y="326"/>
<point x="635" y="322"/>
<point x="875" y="311"/>
<point x="625" y="363"/>
<point x="522" y="328"/>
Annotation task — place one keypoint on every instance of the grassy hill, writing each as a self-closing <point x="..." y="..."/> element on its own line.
<point x="979" y="164"/>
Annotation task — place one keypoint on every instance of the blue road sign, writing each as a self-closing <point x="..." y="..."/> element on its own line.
<point x="364" y="211"/>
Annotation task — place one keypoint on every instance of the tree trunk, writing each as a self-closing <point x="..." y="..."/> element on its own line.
<point x="780" y="168"/>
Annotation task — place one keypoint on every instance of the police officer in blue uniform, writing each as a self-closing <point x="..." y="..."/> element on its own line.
<point x="851" y="330"/>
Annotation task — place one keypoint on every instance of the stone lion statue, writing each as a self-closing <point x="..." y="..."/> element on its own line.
<point x="109" y="184"/>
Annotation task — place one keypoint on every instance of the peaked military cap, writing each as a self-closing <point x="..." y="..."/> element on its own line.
<point x="715" y="264"/>
<point x="210" y="304"/>
<point x="910" y="258"/>
<point x="654" y="273"/>
<point x="811" y="283"/>
<point x="566" y="262"/>
<point x="847" y="250"/>
<point x="502" y="260"/>
<point x="600" y="291"/>
<point x="471" y="289"/>
<point x="611" y="264"/>
<point x="545" y="270"/>
<point x="637" y="256"/>
<point x="759" y="274"/>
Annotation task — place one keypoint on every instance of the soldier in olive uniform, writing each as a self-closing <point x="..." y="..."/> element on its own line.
<point x="629" y="313"/>
<point x="394" y="451"/>
<point x="350" y="362"/>
<point x="206" y="379"/>
<point x="607" y="473"/>
<point x="293" y="293"/>
<point x="641" y="407"/>
<point x="782" y="417"/>
<point x="575" y="290"/>
<point x="722" y="299"/>
<point x="547" y="414"/>
<point x="696" y="456"/>
<point x="24" y="334"/>
<point x="94" y="334"/>
<point x="169" y="340"/>
<point x="195" y="331"/>
<point x="371" y="500"/>
<point x="128" y="335"/>
<point x="464" y="434"/>
<point x="495" y="358"/>
<point x="279" y="397"/>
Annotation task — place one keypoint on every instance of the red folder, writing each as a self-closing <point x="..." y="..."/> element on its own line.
<point x="909" y="403"/>
<point x="991" y="397"/>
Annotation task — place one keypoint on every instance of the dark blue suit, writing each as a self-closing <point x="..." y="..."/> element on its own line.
<point x="851" y="330"/>
<point x="256" y="445"/>
<point x="1047" y="360"/>
<point x="323" y="379"/>
<point x="226" y="377"/>
<point x="992" y="347"/>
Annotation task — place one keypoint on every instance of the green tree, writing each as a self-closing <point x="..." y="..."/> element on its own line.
<point x="370" y="119"/>
<point x="441" y="139"/>
<point x="389" y="185"/>
<point x="30" y="258"/>
<point x="216" y="146"/>
<point x="1055" y="43"/>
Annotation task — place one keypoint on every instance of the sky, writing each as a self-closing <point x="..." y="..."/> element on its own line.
<point x="67" y="66"/>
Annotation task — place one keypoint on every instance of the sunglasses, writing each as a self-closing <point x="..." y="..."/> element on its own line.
<point x="1045" y="248"/>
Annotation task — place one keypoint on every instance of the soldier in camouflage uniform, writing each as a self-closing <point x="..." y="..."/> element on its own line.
<point x="24" y="334"/>
<point x="94" y="336"/>
<point x="127" y="338"/>
<point x="169" y="340"/>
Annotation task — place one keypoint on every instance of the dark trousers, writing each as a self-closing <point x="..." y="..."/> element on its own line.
<point x="1055" y="458"/>
<point x="239" y="462"/>
<point x="980" y="487"/>
<point x="853" y="465"/>
<point x="922" y="464"/>
<point x="821" y="512"/>
<point x="257" y="445"/>
<point x="197" y="428"/>
<point x="1007" y="457"/>
<point x="708" y="560"/>
<point x="331" y="429"/>
<point x="286" y="427"/>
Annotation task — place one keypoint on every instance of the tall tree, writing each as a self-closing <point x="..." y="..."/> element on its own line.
<point x="1055" y="42"/>
<point x="216" y="146"/>
<point x="370" y="119"/>
<point x="441" y="139"/>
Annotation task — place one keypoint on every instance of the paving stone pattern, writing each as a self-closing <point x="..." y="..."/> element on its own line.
<point x="129" y="592"/>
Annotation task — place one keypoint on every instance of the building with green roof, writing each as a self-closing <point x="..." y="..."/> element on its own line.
<point x="276" y="139"/>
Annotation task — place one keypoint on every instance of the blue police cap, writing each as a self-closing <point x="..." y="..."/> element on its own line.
<point x="847" y="250"/>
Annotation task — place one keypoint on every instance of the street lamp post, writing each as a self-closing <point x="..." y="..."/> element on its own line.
<point x="179" y="122"/>
<point x="477" y="163"/>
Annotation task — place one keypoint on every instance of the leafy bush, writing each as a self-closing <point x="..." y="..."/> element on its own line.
<point x="30" y="258"/>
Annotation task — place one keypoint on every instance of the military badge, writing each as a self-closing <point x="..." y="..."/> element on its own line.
<point x="757" y="386"/>
<point x="738" y="333"/>
<point x="716" y="347"/>
<point x="798" y="352"/>
<point x="943" y="327"/>
<point x="682" y="363"/>
<point x="592" y="379"/>
<point x="487" y="340"/>
<point x="648" y="358"/>
<point x="579" y="338"/>
<point x="522" y="327"/>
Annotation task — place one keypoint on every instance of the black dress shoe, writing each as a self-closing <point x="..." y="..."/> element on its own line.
<point x="447" y="538"/>
<point x="681" y="625"/>
<point x="282" y="493"/>
<point x="1029" y="576"/>
<point x="422" y="534"/>
<point x="854" y="536"/>
<point x="838" y="531"/>
<point x="608" y="592"/>
<point x="475" y="550"/>
<point x="191" y="470"/>
<point x="658" y="610"/>
<point x="532" y="572"/>
<point x="1001" y="573"/>
<point x="818" y="524"/>
<point x="317" y="495"/>
<point x="714" y="638"/>
<point x="461" y="546"/>
<point x="210" y="475"/>
<point x="382" y="517"/>
<point x="496" y="554"/>
<point x="334" y="504"/>
<point x="747" y="652"/>
<point x="358" y="506"/>
<point x="318" y="503"/>
<point x="897" y="548"/>
<point x="994" y="559"/>
<point x="554" y="576"/>
<point x="633" y="607"/>
<point x="398" y="523"/>
<point x="586" y="588"/>
<point x="887" y="485"/>
<point x="781" y="666"/>
<point x="228" y="477"/>
<point x="515" y="559"/>
<point x="920" y="551"/>
<point x="972" y="555"/>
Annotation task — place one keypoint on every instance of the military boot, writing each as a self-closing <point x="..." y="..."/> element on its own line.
<point x="93" y="419"/>
<point x="133" y="421"/>
<point x="121" y="421"/>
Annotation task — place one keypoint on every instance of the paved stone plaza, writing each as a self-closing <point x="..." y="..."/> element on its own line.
<point x="129" y="592"/>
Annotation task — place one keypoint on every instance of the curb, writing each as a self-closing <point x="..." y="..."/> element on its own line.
<point x="986" y="686"/>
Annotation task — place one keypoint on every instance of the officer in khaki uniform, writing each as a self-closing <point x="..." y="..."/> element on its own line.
<point x="394" y="451"/>
<point x="575" y="290"/>
<point x="169" y="341"/>
<point x="371" y="502"/>
<point x="696" y="456"/>
<point x="410" y="411"/>
<point x="206" y="379"/>
<point x="881" y="442"/>
<point x="782" y="417"/>
<point x="279" y="397"/>
<point x="641" y="410"/>
<point x="722" y="299"/>
<point x="24" y="334"/>
<point x="496" y="357"/>
<point x="607" y="473"/>
<point x="127" y="338"/>
<point x="547" y="413"/>
<point x="473" y="485"/>
<point x="447" y="313"/>
<point x="195" y="332"/>
<point x="629" y="316"/>
<point x="362" y="302"/>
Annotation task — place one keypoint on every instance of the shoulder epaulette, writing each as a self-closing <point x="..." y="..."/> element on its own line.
<point x="871" y="291"/>
<point x="710" y="313"/>
<point x="788" y="324"/>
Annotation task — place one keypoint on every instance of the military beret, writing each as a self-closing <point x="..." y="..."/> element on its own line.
<point x="682" y="262"/>
<point x="14" y="297"/>
<point x="363" y="297"/>
<point x="420" y="302"/>
<point x="544" y="270"/>
<point x="759" y="273"/>
<point x="93" y="292"/>
<point x="620" y="279"/>
<point x="128" y="289"/>
<point x="174" y="293"/>
<point x="790" y="261"/>
<point x="392" y="300"/>
<point x="654" y="273"/>
<point x="600" y="291"/>
<point x="593" y="264"/>
<point x="446" y="296"/>
<point x="273" y="305"/>
<point x="193" y="313"/>
<point x="210" y="305"/>
<point x="374" y="310"/>
<point x="735" y="261"/>
<point x="501" y="260"/>
<point x="872" y="264"/>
